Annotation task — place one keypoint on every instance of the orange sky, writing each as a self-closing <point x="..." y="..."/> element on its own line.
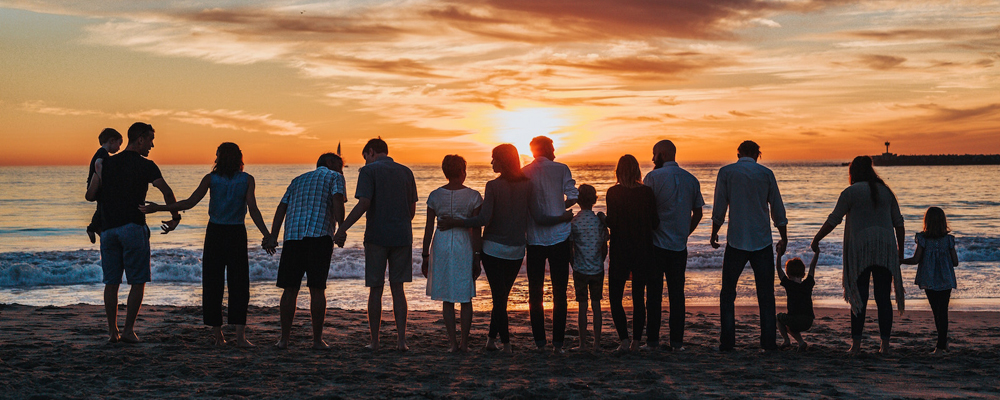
<point x="289" y="80"/>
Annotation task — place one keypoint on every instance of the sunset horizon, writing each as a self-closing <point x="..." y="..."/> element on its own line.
<point x="286" y="81"/>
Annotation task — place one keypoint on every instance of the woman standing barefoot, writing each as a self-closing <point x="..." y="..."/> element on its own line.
<point x="232" y="194"/>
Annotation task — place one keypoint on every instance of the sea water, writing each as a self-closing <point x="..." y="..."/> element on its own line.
<point x="46" y="259"/>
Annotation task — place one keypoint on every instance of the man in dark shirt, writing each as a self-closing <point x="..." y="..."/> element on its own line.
<point x="388" y="193"/>
<point x="119" y="186"/>
<point x="111" y="142"/>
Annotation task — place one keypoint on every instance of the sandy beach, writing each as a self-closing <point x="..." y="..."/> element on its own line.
<point x="60" y="352"/>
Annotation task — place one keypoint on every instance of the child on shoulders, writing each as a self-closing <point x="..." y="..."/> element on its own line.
<point x="111" y="142"/>
<point x="590" y="249"/>
<point x="798" y="292"/>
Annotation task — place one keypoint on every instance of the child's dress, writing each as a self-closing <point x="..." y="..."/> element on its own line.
<point x="935" y="270"/>
<point x="449" y="277"/>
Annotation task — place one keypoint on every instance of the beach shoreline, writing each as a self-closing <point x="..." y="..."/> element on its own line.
<point x="60" y="352"/>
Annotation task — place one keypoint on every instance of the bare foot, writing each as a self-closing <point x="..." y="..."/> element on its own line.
<point x="597" y="347"/>
<point x="92" y="236"/>
<point x="114" y="337"/>
<point x="939" y="351"/>
<point x="786" y="344"/>
<point x="244" y="343"/>
<point x="854" y="350"/>
<point x="802" y="347"/>
<point x="558" y="350"/>
<point x="884" y="348"/>
<point x="402" y="347"/>
<point x="507" y="349"/>
<point x="372" y="346"/>
<point x="320" y="345"/>
<point x="130" y="337"/>
<point x="625" y="346"/>
<point x="635" y="346"/>
<point x="454" y="349"/>
<point x="491" y="345"/>
<point x="282" y="344"/>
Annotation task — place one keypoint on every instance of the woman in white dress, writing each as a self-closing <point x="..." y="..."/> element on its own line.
<point x="450" y="258"/>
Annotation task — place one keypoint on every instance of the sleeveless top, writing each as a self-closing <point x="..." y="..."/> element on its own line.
<point x="228" y="199"/>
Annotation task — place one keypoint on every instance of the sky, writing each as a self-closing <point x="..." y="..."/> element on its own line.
<point x="289" y="80"/>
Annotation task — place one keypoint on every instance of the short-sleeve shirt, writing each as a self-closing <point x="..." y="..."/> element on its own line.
<point x="589" y="234"/>
<point x="310" y="203"/>
<point x="125" y="178"/>
<point x="799" y="295"/>
<point x="392" y="190"/>
<point x="935" y="270"/>
<point x="677" y="193"/>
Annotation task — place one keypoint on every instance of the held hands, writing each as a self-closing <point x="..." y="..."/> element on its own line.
<point x="270" y="244"/>
<point x="781" y="246"/>
<point x="340" y="238"/>
<point x="170" y="225"/>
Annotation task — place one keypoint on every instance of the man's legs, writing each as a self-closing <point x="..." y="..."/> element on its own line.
<point x="559" y="272"/>
<point x="374" y="314"/>
<point x="111" y="309"/>
<point x="399" y="311"/>
<point x="675" y="269"/>
<point x="536" y="283"/>
<point x="289" y="296"/>
<point x="762" y="262"/>
<point x="132" y="312"/>
<point x="317" y="307"/>
<point x="733" y="262"/>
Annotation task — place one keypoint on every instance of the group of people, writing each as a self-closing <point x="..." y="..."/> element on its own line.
<point x="523" y="214"/>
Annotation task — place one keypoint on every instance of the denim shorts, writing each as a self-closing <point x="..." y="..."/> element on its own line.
<point x="125" y="249"/>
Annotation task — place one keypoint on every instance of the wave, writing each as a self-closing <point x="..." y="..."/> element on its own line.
<point x="26" y="269"/>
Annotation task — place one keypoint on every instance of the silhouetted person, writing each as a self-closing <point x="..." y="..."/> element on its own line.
<point x="225" y="254"/>
<point x="554" y="192"/>
<point x="750" y="193"/>
<point x="119" y="186"/>
<point x="679" y="205"/>
<point x="387" y="192"/>
<point x="111" y="142"/>
<point x="313" y="205"/>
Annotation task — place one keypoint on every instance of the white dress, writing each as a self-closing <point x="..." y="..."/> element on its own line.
<point x="449" y="277"/>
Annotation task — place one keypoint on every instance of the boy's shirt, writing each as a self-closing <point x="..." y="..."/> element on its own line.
<point x="589" y="234"/>
<point x="799" y="296"/>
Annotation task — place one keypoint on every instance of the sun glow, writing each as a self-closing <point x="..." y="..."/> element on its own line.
<point x="518" y="127"/>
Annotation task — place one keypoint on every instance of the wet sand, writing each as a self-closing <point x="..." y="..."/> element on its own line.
<point x="60" y="352"/>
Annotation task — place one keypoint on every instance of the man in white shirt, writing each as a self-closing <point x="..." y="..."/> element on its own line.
<point x="554" y="190"/>
<point x="750" y="192"/>
<point x="679" y="205"/>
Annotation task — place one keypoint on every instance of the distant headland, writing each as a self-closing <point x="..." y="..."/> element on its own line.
<point x="888" y="159"/>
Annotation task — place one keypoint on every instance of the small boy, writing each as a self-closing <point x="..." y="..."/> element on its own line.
<point x="111" y="142"/>
<point x="798" y="292"/>
<point x="590" y="248"/>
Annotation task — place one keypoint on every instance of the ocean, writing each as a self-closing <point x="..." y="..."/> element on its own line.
<point x="46" y="259"/>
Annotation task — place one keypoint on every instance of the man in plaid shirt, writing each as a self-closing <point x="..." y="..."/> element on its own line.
<point x="312" y="206"/>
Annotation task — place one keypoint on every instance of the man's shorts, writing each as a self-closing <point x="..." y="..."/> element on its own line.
<point x="125" y="249"/>
<point x="399" y="258"/>
<point x="310" y="257"/>
<point x="795" y="323"/>
<point x="592" y="283"/>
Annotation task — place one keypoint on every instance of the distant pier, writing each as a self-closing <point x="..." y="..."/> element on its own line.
<point x="889" y="159"/>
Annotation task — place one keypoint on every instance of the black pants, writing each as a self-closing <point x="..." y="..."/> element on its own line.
<point x="558" y="256"/>
<point x="669" y="265"/>
<point x="733" y="262"/>
<point x="501" y="274"/>
<point x="225" y="246"/>
<point x="939" y="305"/>
<point x="882" y="286"/>
<point x="616" y="292"/>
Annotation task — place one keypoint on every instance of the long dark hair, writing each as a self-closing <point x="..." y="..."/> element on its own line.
<point x="861" y="170"/>
<point x="935" y="223"/>
<point x="628" y="172"/>
<point x="506" y="156"/>
<point x="228" y="160"/>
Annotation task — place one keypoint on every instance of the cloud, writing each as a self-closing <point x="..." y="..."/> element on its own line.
<point x="881" y="62"/>
<point x="219" y="119"/>
<point x="910" y="34"/>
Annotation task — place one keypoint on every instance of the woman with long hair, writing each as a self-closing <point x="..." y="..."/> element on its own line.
<point x="632" y="217"/>
<point x="504" y="214"/>
<point x="873" y="247"/>
<point x="232" y="195"/>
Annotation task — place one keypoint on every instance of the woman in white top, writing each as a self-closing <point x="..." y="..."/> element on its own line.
<point x="450" y="258"/>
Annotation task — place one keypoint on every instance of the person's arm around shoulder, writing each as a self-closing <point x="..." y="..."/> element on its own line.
<point x="168" y="199"/>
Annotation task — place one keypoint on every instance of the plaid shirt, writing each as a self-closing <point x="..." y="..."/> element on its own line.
<point x="310" y="203"/>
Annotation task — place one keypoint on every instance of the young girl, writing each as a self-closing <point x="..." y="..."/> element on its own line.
<point x="936" y="259"/>
<point x="453" y="267"/>
<point x="225" y="239"/>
